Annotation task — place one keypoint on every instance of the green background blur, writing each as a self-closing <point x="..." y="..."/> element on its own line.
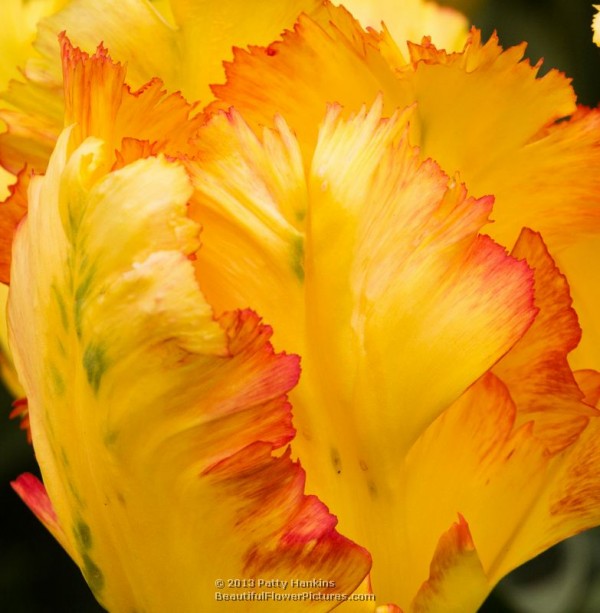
<point x="36" y="576"/>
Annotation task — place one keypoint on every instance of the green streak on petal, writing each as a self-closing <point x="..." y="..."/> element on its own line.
<point x="298" y="257"/>
<point x="81" y="292"/>
<point x="61" y="348"/>
<point x="58" y="382"/>
<point x="64" y="318"/>
<point x="75" y="492"/>
<point x="111" y="438"/>
<point x="83" y="535"/>
<point x="64" y="458"/>
<point x="95" y="364"/>
<point x="93" y="575"/>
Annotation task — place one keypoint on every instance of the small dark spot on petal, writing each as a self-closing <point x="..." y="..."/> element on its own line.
<point x="372" y="488"/>
<point x="336" y="460"/>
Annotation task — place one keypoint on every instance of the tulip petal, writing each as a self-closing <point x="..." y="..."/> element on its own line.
<point x="472" y="79"/>
<point x="321" y="51"/>
<point x="393" y="268"/>
<point x="400" y="257"/>
<point x="210" y="29"/>
<point x="12" y="210"/>
<point x="549" y="183"/>
<point x="155" y="424"/>
<point x="489" y="458"/>
<point x="525" y="434"/>
<point x="536" y="370"/>
<point x="251" y="199"/>
<point x="456" y="581"/>
<point x="579" y="263"/>
<point x="366" y="259"/>
<point x="33" y="493"/>
<point x="552" y="496"/>
<point x="528" y="167"/>
<point x="186" y="54"/>
<point x="101" y="104"/>
<point x="446" y="26"/>
<point x="18" y="21"/>
<point x="544" y="174"/>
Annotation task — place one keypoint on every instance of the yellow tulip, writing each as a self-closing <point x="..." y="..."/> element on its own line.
<point x="436" y="416"/>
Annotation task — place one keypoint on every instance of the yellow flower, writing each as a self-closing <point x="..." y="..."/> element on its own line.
<point x="436" y="415"/>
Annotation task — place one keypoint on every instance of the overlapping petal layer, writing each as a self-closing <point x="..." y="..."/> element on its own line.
<point x="159" y="432"/>
<point x="491" y="445"/>
<point x="542" y="171"/>
<point x="99" y="103"/>
<point x="184" y="46"/>
<point x="536" y="370"/>
<point x="321" y="51"/>
<point x="366" y="259"/>
<point x="390" y="310"/>
<point x="543" y="175"/>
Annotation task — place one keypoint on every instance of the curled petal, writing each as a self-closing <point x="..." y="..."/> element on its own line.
<point x="155" y="424"/>
<point x="552" y="495"/>
<point x="529" y="429"/>
<point x="533" y="434"/>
